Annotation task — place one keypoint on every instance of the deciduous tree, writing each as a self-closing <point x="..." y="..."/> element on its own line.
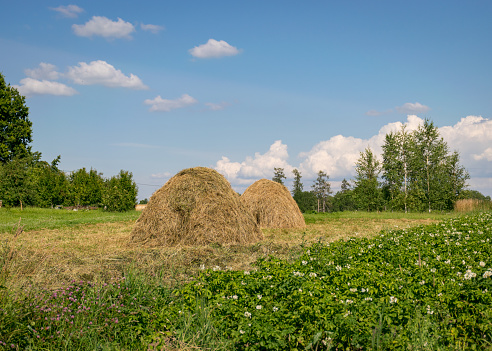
<point x="15" y="126"/>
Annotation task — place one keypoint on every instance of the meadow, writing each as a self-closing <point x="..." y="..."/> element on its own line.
<point x="348" y="281"/>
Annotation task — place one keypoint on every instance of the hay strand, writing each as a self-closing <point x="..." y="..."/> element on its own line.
<point x="272" y="205"/>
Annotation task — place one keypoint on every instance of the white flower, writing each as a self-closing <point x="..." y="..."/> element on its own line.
<point x="216" y="268"/>
<point x="482" y="264"/>
<point x="487" y="274"/>
<point x="469" y="274"/>
<point x="246" y="272"/>
<point x="259" y="296"/>
<point x="202" y="266"/>
<point x="447" y="261"/>
<point x="338" y="268"/>
<point x="247" y="314"/>
<point x="241" y="331"/>
<point x="353" y="289"/>
<point x="368" y="299"/>
<point x="422" y="282"/>
<point x="304" y="263"/>
<point x="433" y="270"/>
<point x="275" y="309"/>
<point x="258" y="307"/>
<point x="234" y="297"/>
<point x="349" y="301"/>
<point x="300" y="290"/>
<point x="393" y="299"/>
<point x="347" y="314"/>
<point x="438" y="258"/>
<point x="313" y="275"/>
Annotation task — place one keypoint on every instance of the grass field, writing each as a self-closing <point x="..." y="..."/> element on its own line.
<point x="84" y="259"/>
<point x="58" y="246"/>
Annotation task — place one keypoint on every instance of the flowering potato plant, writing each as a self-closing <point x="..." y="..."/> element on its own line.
<point x="424" y="287"/>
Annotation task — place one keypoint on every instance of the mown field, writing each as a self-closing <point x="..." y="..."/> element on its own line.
<point x="349" y="281"/>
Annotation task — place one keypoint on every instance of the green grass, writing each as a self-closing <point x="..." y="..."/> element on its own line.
<point x="329" y="216"/>
<point x="45" y="218"/>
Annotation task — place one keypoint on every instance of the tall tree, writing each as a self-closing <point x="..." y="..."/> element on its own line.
<point x="395" y="168"/>
<point x="429" y="152"/>
<point x="120" y="192"/>
<point x="278" y="175"/>
<point x="297" y="186"/>
<point x="367" y="192"/>
<point x="322" y="189"/>
<point x="15" y="126"/>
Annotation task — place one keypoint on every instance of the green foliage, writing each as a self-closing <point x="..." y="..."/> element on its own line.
<point x="50" y="184"/>
<point x="344" y="199"/>
<point x="419" y="172"/>
<point x="322" y="190"/>
<point x="15" y="182"/>
<point x="367" y="193"/>
<point x="306" y="200"/>
<point x="15" y="126"/>
<point x="297" y="186"/>
<point x="85" y="187"/>
<point x="473" y="194"/>
<point x="120" y="192"/>
<point x="279" y="175"/>
<point x="421" y="288"/>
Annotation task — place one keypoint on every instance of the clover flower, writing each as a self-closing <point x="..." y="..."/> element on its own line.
<point x="393" y="299"/>
<point x="247" y="314"/>
<point x="487" y="274"/>
<point x="469" y="274"/>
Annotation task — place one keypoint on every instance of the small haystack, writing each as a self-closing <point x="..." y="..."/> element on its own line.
<point x="272" y="205"/>
<point x="196" y="207"/>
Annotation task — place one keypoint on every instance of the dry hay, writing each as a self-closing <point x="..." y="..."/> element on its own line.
<point x="272" y="205"/>
<point x="196" y="207"/>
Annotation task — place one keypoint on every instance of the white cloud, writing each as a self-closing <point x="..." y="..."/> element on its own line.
<point x="471" y="136"/>
<point x="30" y="86"/>
<point x="101" y="72"/>
<point x="259" y="166"/>
<point x="153" y="28"/>
<point x="216" y="107"/>
<point x="70" y="11"/>
<point x="165" y="105"/>
<point x="214" y="49"/>
<point x="412" y="108"/>
<point x="104" y="27"/>
<point x="338" y="155"/>
<point x="44" y="71"/>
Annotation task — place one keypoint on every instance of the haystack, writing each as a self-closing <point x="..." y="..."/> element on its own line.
<point x="272" y="205"/>
<point x="196" y="207"/>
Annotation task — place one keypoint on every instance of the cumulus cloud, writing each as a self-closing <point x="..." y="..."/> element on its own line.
<point x="153" y="28"/>
<point x="214" y="49"/>
<point x="70" y="11"/>
<point x="165" y="105"/>
<point x="412" y="108"/>
<point x="257" y="167"/>
<point x="104" y="27"/>
<point x="101" y="72"/>
<point x="30" y="87"/>
<point x="45" y="71"/>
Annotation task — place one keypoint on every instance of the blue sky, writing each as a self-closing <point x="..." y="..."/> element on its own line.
<point x="154" y="87"/>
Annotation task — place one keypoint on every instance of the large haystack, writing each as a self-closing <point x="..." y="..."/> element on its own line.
<point x="272" y="205"/>
<point x="195" y="207"/>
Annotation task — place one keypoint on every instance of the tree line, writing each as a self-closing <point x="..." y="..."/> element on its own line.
<point x="417" y="173"/>
<point x="26" y="180"/>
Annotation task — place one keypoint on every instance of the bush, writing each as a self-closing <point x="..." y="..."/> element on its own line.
<point x="120" y="193"/>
